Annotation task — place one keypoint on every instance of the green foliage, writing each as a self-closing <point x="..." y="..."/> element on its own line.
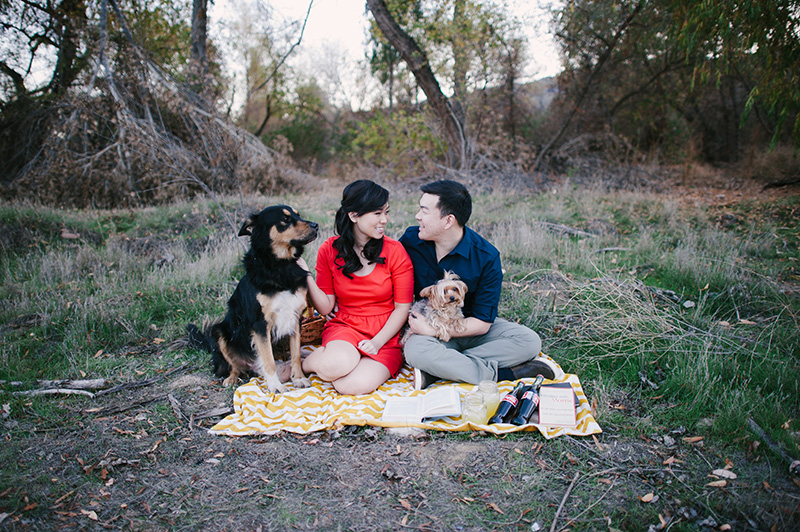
<point x="399" y="140"/>
<point x="163" y="29"/>
<point x="305" y="126"/>
<point x="765" y="35"/>
<point x="675" y="76"/>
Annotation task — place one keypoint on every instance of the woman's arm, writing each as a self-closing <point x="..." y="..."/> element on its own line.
<point x="392" y="326"/>
<point x="323" y="302"/>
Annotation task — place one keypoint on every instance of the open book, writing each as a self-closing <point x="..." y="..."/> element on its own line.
<point x="442" y="401"/>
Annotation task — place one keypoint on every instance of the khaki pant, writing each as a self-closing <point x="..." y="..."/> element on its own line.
<point x="474" y="358"/>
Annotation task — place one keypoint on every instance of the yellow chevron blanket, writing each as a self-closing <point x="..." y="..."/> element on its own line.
<point x="320" y="407"/>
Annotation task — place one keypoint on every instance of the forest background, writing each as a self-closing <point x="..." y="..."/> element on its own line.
<point x="110" y="103"/>
<point x="644" y="200"/>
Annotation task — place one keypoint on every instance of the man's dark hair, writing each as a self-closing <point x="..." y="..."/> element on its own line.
<point x="454" y="199"/>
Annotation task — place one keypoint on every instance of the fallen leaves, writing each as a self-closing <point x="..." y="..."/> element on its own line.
<point x="671" y="460"/>
<point x="496" y="508"/>
<point x="724" y="473"/>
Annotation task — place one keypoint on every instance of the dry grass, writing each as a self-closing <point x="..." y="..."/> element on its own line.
<point x="610" y="307"/>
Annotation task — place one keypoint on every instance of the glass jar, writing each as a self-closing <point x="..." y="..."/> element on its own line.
<point x="491" y="396"/>
<point x="475" y="408"/>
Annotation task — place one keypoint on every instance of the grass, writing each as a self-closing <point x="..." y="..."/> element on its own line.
<point x="668" y="309"/>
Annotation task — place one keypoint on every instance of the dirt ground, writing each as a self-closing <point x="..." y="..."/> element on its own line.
<point x="141" y="459"/>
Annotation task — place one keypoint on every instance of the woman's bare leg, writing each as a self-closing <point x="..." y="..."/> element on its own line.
<point x="365" y="378"/>
<point x="333" y="361"/>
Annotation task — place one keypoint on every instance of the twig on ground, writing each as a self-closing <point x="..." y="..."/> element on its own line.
<point x="564" y="500"/>
<point x="116" y="409"/>
<point x="176" y="408"/>
<point x="146" y="382"/>
<point x="595" y="503"/>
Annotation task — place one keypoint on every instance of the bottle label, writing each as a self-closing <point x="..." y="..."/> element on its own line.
<point x="527" y="395"/>
<point x="511" y="399"/>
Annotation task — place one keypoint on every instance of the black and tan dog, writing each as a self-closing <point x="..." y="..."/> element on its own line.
<point x="267" y="304"/>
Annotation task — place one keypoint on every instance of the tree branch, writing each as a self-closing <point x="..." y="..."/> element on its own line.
<point x="621" y="29"/>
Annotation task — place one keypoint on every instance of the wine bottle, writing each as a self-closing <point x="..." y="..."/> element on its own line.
<point x="529" y="402"/>
<point x="508" y="405"/>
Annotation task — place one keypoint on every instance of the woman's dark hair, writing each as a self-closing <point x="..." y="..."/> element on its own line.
<point x="360" y="197"/>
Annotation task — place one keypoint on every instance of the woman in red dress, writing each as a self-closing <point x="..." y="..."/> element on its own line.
<point x="368" y="279"/>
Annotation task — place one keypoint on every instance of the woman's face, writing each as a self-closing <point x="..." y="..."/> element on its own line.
<point x="370" y="224"/>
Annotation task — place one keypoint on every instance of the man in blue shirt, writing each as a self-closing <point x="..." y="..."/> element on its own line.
<point x="490" y="348"/>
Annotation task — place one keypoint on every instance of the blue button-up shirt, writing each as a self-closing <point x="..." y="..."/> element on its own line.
<point x="474" y="259"/>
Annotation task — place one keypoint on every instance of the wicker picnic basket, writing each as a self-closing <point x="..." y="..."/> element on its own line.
<point x="311" y="325"/>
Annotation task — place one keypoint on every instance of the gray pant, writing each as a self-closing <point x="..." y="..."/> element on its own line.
<point x="474" y="358"/>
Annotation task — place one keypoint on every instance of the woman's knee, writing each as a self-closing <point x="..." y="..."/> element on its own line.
<point x="332" y="363"/>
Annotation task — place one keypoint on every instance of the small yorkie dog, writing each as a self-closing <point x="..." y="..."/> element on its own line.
<point x="441" y="306"/>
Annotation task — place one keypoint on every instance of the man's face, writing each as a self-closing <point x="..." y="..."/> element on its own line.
<point x="430" y="219"/>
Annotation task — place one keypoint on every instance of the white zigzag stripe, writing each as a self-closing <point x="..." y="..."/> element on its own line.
<point x="305" y="410"/>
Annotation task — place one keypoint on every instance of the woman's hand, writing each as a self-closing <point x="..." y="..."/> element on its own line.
<point x="302" y="263"/>
<point x="368" y="347"/>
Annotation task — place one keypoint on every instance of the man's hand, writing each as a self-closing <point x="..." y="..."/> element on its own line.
<point x="419" y="325"/>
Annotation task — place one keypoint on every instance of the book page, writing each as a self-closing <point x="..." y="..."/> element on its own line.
<point x="557" y="407"/>
<point x="403" y="409"/>
<point x="443" y="401"/>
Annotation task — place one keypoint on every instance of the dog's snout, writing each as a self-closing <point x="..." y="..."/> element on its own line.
<point x="313" y="225"/>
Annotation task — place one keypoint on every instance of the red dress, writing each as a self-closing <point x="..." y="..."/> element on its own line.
<point x="365" y="303"/>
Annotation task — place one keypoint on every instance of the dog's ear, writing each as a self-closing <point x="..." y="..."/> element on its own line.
<point x="247" y="228"/>
<point x="426" y="292"/>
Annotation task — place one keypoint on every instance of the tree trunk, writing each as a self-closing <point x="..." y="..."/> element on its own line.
<point x="459" y="55"/>
<point x="69" y="20"/>
<point x="450" y="114"/>
<point x="200" y="43"/>
<point x="391" y="86"/>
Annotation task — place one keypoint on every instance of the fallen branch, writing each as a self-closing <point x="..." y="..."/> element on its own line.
<point x="53" y="391"/>
<point x="794" y="465"/>
<point x="73" y="384"/>
<point x="563" y="501"/>
<point x="214" y="412"/>
<point x="605" y="250"/>
<point x="566" y="230"/>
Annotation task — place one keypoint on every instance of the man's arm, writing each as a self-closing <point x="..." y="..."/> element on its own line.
<point x="474" y="327"/>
